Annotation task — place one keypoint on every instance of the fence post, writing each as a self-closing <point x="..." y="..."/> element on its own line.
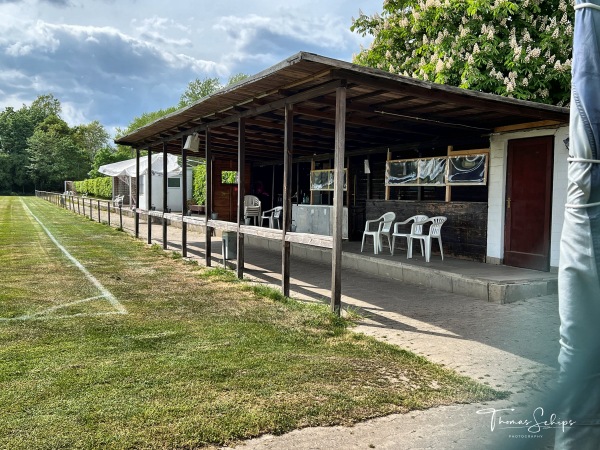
<point x="99" y="212"/>
<point x="108" y="211"/>
<point x="121" y="216"/>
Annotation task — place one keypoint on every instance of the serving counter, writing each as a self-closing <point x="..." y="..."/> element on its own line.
<point x="317" y="219"/>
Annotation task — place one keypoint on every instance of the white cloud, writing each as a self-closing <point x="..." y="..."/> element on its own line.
<point x="155" y="22"/>
<point x="111" y="61"/>
<point x="265" y="39"/>
<point x="31" y="36"/>
<point x="74" y="114"/>
<point x="158" y="30"/>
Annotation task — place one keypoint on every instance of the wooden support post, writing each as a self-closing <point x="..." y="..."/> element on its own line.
<point x="448" y="187"/>
<point x="369" y="179"/>
<point x="298" y="201"/>
<point x="208" y="209"/>
<point x="137" y="194"/>
<point x="312" y="167"/>
<point x="184" y="199"/>
<point x="149" y="195"/>
<point x="99" y="221"/>
<point x="273" y="187"/>
<point x="348" y="184"/>
<point x="338" y="199"/>
<point x="288" y="150"/>
<point x="165" y="206"/>
<point x="91" y="209"/>
<point x="240" y="197"/>
<point x="387" y="188"/>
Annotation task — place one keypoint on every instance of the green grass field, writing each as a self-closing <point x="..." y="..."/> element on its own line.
<point x="158" y="352"/>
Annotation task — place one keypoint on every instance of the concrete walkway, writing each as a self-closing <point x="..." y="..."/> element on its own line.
<point x="511" y="347"/>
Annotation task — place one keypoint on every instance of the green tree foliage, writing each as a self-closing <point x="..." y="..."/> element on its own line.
<point x="16" y="126"/>
<point x="109" y="155"/>
<point x="198" y="89"/>
<point x="39" y="149"/>
<point x="143" y="120"/>
<point x="195" y="90"/>
<point x="516" y="49"/>
<point x="233" y="79"/>
<point x="46" y="105"/>
<point x="91" y="137"/>
<point x="54" y="155"/>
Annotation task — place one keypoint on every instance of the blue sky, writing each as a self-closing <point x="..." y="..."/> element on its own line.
<point x="110" y="60"/>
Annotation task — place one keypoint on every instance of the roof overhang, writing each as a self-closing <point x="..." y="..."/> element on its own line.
<point x="383" y="110"/>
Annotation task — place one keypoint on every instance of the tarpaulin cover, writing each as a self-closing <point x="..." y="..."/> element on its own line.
<point x="579" y="283"/>
<point x="128" y="167"/>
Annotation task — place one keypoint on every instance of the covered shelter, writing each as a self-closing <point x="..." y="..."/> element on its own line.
<point x="311" y="116"/>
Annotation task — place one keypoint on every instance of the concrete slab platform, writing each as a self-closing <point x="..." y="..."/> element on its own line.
<point x="488" y="282"/>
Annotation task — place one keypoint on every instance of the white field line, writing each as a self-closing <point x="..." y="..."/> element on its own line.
<point x="120" y="309"/>
<point x="66" y="316"/>
<point x="41" y="314"/>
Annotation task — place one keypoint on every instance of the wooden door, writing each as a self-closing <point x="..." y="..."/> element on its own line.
<point x="225" y="194"/>
<point x="528" y="203"/>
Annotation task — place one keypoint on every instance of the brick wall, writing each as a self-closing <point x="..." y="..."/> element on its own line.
<point x="464" y="234"/>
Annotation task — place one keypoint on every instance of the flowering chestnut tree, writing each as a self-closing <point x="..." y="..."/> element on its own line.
<point x="519" y="49"/>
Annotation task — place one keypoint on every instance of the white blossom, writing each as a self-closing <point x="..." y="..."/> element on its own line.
<point x="510" y="84"/>
<point x="569" y="30"/>
<point x="439" y="67"/>
<point x="562" y="6"/>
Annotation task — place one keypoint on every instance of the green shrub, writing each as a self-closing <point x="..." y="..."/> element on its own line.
<point x="100" y="187"/>
<point x="199" y="182"/>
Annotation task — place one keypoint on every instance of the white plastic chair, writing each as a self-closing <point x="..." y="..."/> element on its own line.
<point x="251" y="208"/>
<point x="118" y="200"/>
<point x="415" y="228"/>
<point x="383" y="227"/>
<point x="435" y="231"/>
<point x="272" y="215"/>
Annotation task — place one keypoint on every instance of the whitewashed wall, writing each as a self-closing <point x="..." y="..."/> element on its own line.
<point x="497" y="191"/>
<point x="173" y="194"/>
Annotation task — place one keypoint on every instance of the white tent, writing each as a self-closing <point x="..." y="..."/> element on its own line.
<point x="123" y="171"/>
<point x="128" y="167"/>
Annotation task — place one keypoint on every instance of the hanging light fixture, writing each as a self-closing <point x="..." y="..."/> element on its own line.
<point x="192" y="143"/>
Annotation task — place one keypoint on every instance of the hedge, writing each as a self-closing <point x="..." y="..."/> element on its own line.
<point x="199" y="182"/>
<point x="96" y="187"/>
